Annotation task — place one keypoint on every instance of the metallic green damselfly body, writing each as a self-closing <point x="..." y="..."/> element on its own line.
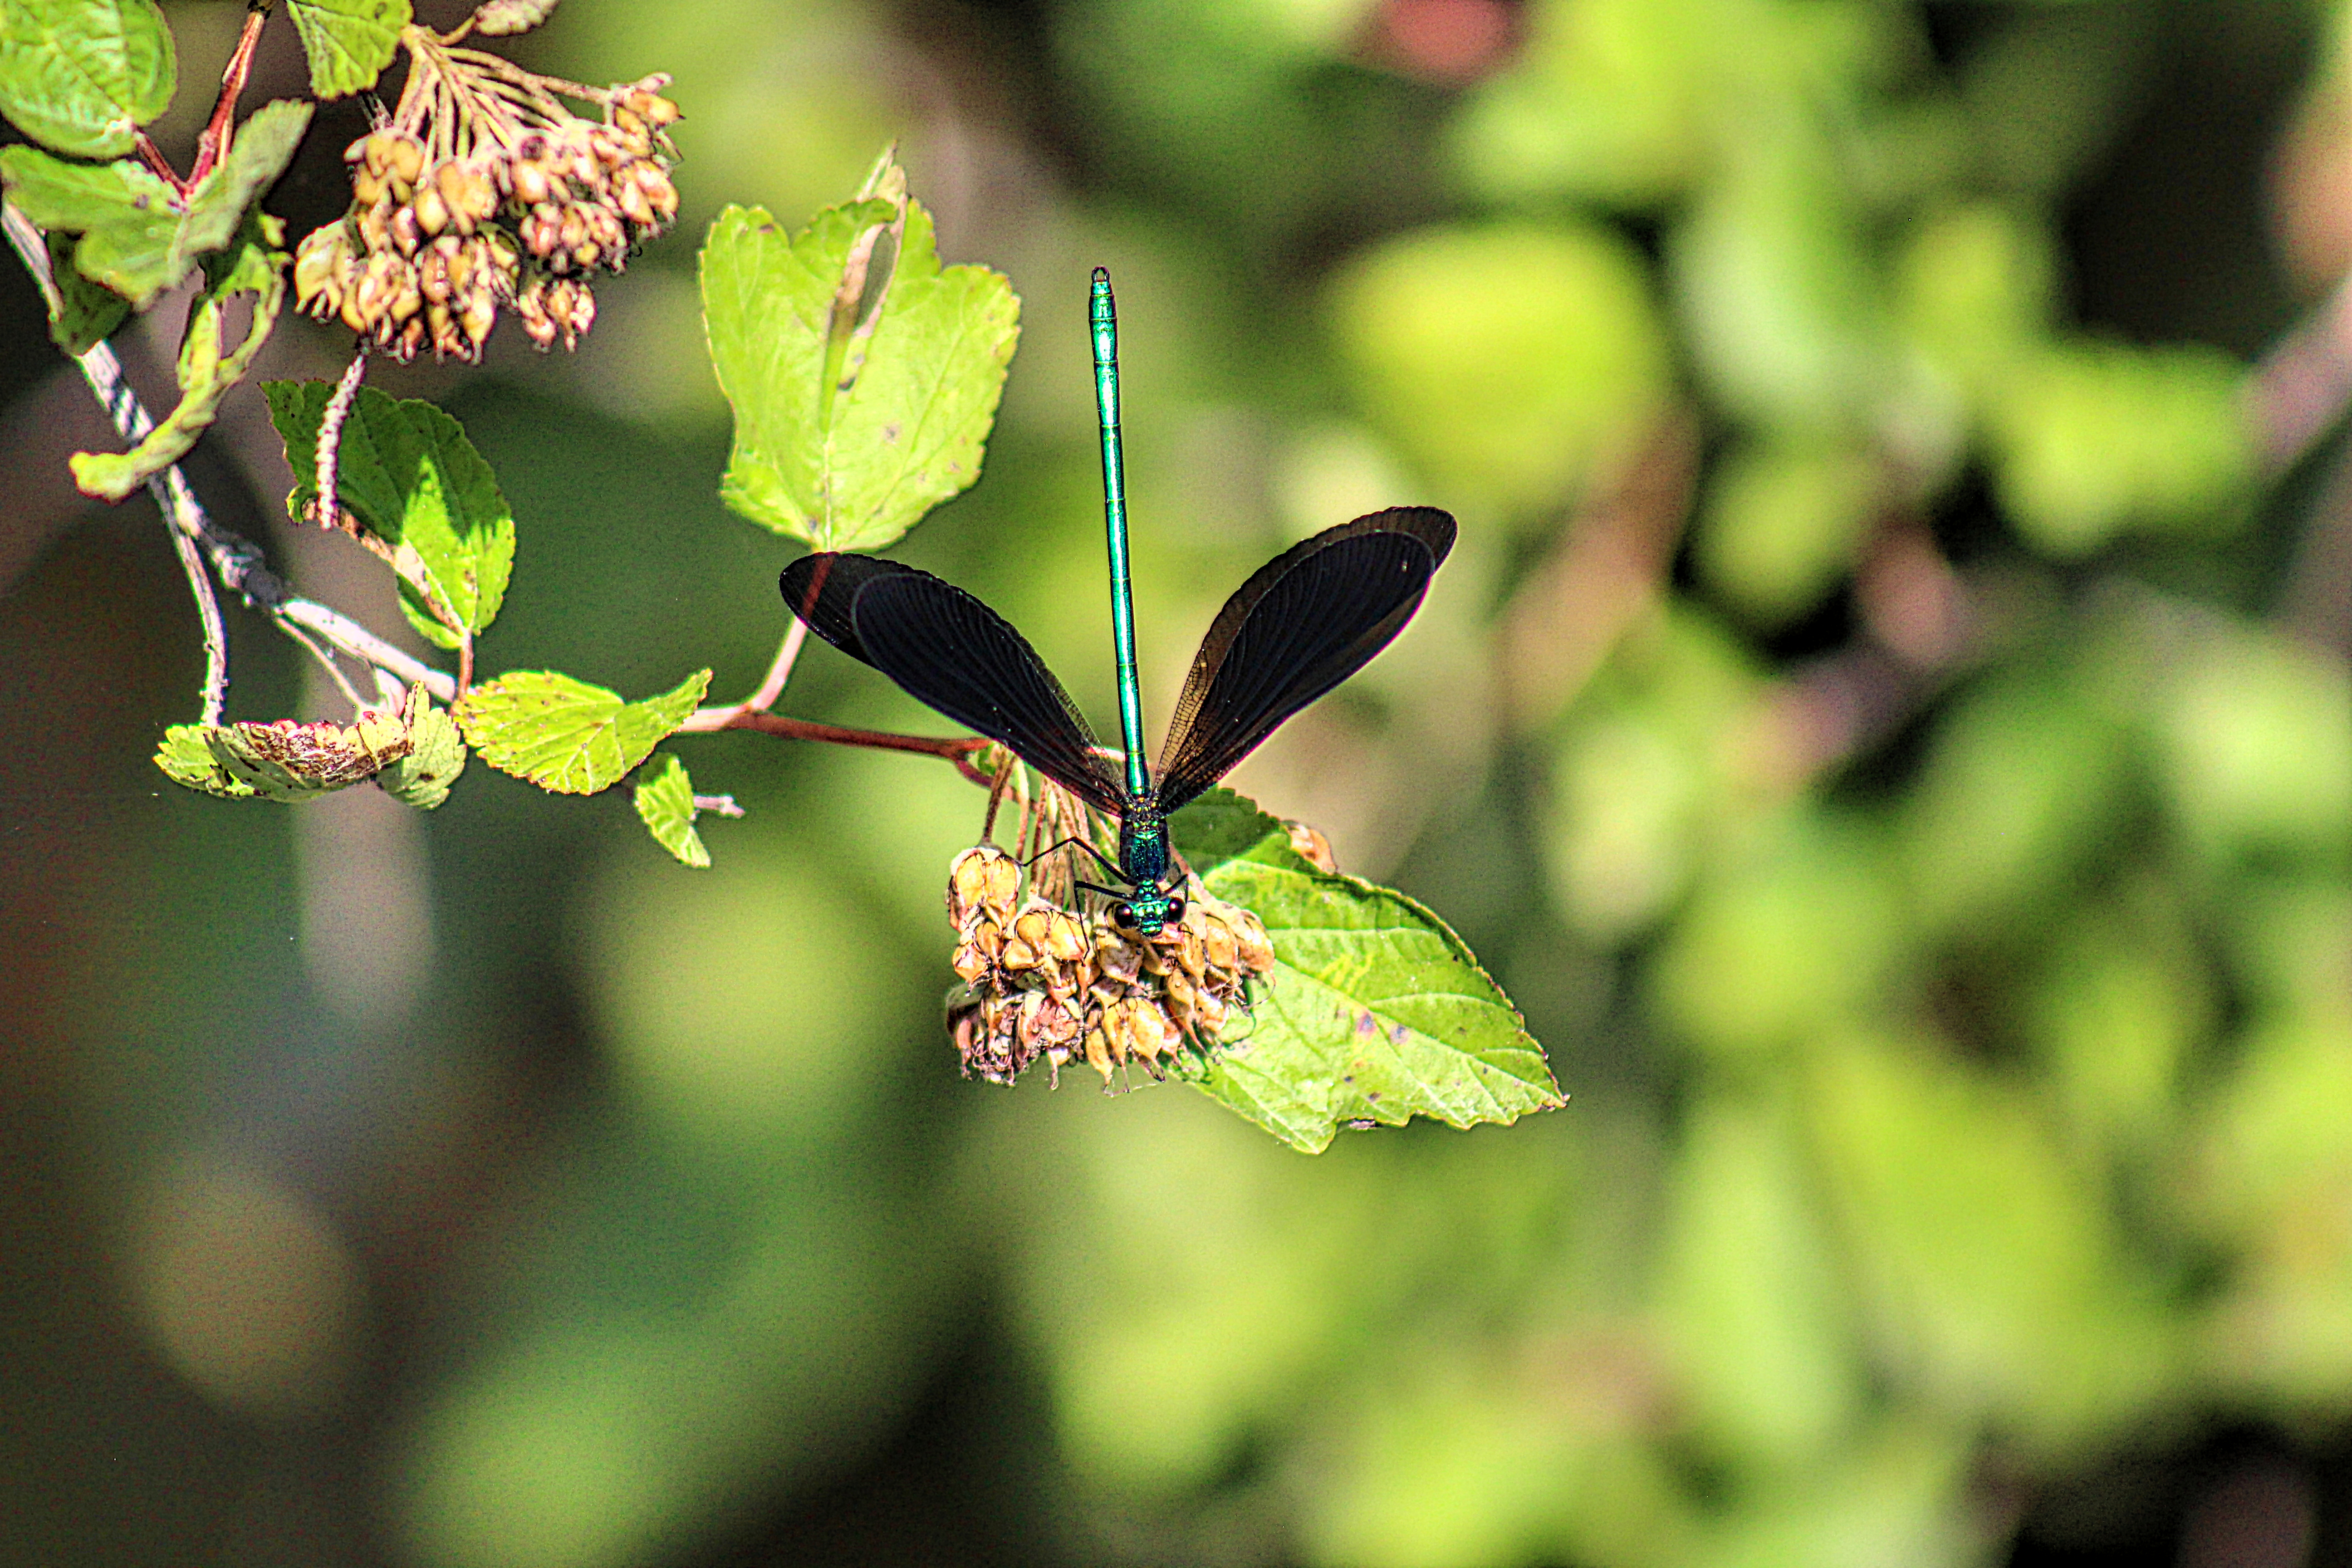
<point x="1104" y="315"/>
<point x="1142" y="827"/>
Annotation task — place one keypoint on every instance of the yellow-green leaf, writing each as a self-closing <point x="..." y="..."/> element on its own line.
<point x="81" y="76"/>
<point x="566" y="735"/>
<point x="664" y="802"/>
<point x="864" y="375"/>
<point x="1375" y="1012"/>
<point x="348" y="42"/>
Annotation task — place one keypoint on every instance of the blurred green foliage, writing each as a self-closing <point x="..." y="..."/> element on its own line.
<point x="1932" y="875"/>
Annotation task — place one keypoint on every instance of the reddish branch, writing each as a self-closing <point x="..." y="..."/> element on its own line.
<point x="213" y="145"/>
<point x="959" y="752"/>
<point x="152" y="156"/>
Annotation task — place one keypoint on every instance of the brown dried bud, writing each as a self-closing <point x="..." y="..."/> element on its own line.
<point x="406" y="162"/>
<point x="1140" y="1029"/>
<point x="472" y="196"/>
<point x="480" y="315"/>
<point x="1045" y="940"/>
<point x="644" y="98"/>
<point x="408" y="341"/>
<point x="1252" y="952"/>
<point x="631" y="200"/>
<point x="660" y="192"/>
<point x="988" y="1035"/>
<point x="405" y="297"/>
<point x="1118" y="957"/>
<point x="317" y="265"/>
<point x="1218" y="944"/>
<point x="1048" y="1024"/>
<point x="983" y="879"/>
<point x="374" y="224"/>
<point x="407" y="231"/>
<point x="494" y="251"/>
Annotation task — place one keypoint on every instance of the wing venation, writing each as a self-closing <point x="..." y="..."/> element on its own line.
<point x="1303" y="622"/>
<point x="955" y="655"/>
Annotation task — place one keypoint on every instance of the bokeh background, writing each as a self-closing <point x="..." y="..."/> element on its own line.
<point x="1887" y="724"/>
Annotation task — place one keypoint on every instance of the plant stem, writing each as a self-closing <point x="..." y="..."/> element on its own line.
<point x="236" y="561"/>
<point x="328" y="507"/>
<point x="213" y="145"/>
<point x="959" y="752"/>
<point x="152" y="156"/>
<point x="706" y="720"/>
<point x="104" y="373"/>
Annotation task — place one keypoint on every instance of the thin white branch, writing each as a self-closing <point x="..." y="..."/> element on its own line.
<point x="329" y="503"/>
<point x="234" y="559"/>
<point x="104" y="373"/>
<point x="362" y="643"/>
<point x="706" y="720"/>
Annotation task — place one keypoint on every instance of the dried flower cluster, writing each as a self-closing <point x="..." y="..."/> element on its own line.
<point x="1040" y="980"/>
<point x="486" y="192"/>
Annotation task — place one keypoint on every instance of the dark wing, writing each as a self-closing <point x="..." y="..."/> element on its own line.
<point x="952" y="653"/>
<point x="819" y="588"/>
<point x="1303" y="622"/>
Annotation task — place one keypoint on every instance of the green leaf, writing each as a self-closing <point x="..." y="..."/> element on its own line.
<point x="1777" y="291"/>
<point x="1993" y="1274"/>
<point x="864" y="375"/>
<point x="422" y="778"/>
<point x="85" y="313"/>
<point x="666" y="805"/>
<point x="566" y="735"/>
<point x="1375" y="1011"/>
<point x="140" y="236"/>
<point x="504" y="18"/>
<point x="208" y="367"/>
<point x="127" y="217"/>
<point x="348" y="42"/>
<point x="406" y="470"/>
<point x="1757" y="1326"/>
<point x="187" y="760"/>
<point x="265" y="143"/>
<point x="82" y="75"/>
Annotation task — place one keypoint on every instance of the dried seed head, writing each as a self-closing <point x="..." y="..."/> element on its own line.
<point x="538" y="181"/>
<point x="1044" y="980"/>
